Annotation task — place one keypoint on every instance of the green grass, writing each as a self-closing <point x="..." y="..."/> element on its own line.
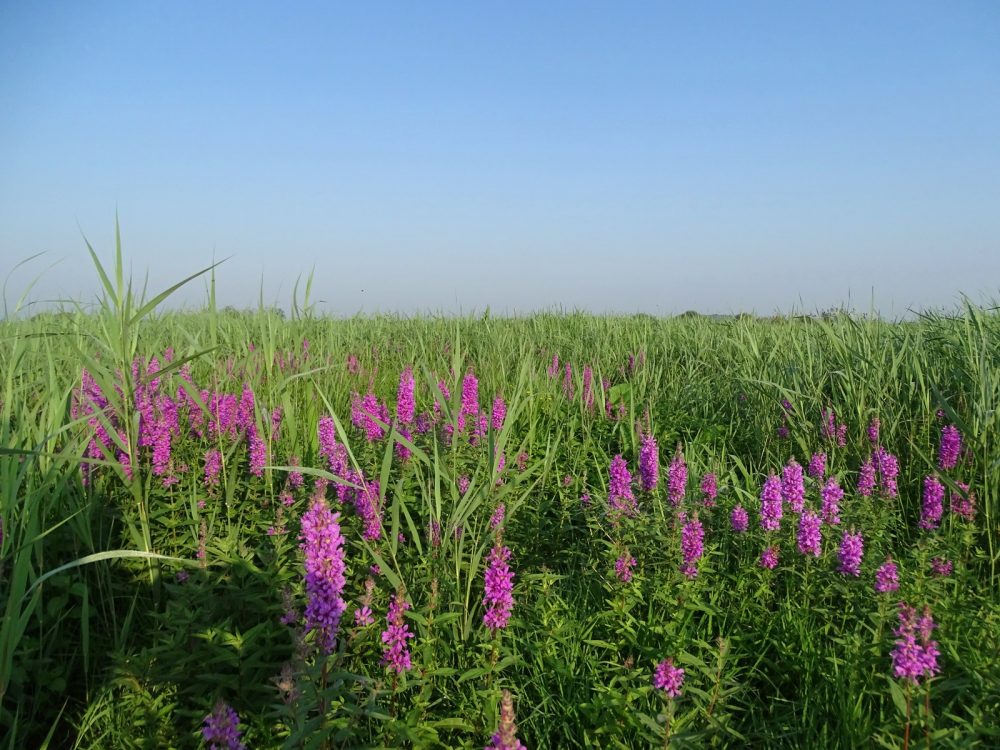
<point x="103" y="645"/>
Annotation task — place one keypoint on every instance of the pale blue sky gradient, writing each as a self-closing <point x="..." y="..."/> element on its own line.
<point x="608" y="156"/>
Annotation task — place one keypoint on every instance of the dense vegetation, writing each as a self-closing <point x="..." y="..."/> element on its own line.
<point x="167" y="480"/>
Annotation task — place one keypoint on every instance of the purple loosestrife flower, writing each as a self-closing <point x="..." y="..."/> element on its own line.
<point x="950" y="447"/>
<point x="852" y="547"/>
<point x="553" y="369"/>
<point x="710" y="488"/>
<point x="498" y="515"/>
<point x="769" y="558"/>
<point x="887" y="466"/>
<point x="887" y="577"/>
<point x="692" y="547"/>
<point x="873" y="430"/>
<point x="739" y="519"/>
<point x="832" y="494"/>
<point x="620" y="497"/>
<point x="649" y="464"/>
<point x="568" y="382"/>
<point x="402" y="450"/>
<point x="866" y="479"/>
<point x="328" y="439"/>
<point x="817" y="465"/>
<point x="463" y="484"/>
<point x="793" y="489"/>
<point x="810" y="538"/>
<point x="941" y="567"/>
<point x="323" y="546"/>
<point x="963" y="502"/>
<point x="213" y="465"/>
<point x="498" y="596"/>
<point x="770" y="504"/>
<point x="368" y="504"/>
<point x="396" y="653"/>
<point x="405" y="403"/>
<point x="369" y="415"/>
<point x="668" y="678"/>
<point x="222" y="728"/>
<point x="624" y="566"/>
<point x="677" y="476"/>
<point x="470" y="395"/>
<point x="588" y="388"/>
<point x="258" y="452"/>
<point x="930" y="516"/>
<point x="295" y="478"/>
<point x="505" y="737"/>
<point x="499" y="413"/>
<point x="915" y="655"/>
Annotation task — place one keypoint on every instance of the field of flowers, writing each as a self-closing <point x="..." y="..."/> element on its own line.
<point x="226" y="529"/>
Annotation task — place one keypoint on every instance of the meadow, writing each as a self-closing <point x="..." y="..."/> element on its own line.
<point x="225" y="529"/>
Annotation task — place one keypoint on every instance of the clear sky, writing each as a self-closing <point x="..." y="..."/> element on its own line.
<point x="426" y="156"/>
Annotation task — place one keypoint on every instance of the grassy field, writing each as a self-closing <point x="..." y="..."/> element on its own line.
<point x="169" y="483"/>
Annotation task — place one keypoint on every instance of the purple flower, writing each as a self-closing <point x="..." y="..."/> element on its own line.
<point x="369" y="415"/>
<point x="817" y="465"/>
<point x="677" y="475"/>
<point x="497" y="518"/>
<point x="710" y="488"/>
<point x="553" y="369"/>
<point x="499" y="413"/>
<point x="568" y="381"/>
<point x="463" y="484"/>
<point x="222" y="728"/>
<point x="588" y="387"/>
<point x="887" y="577"/>
<point x="887" y="466"/>
<point x="810" y="537"/>
<point x="323" y="546"/>
<point x="213" y="465"/>
<point x="624" y="566"/>
<point x="770" y="504"/>
<point x="649" y="464"/>
<point x="851" y="550"/>
<point x="396" y="653"/>
<point x="620" y="497"/>
<point x="692" y="547"/>
<point x="963" y="502"/>
<point x="832" y="494"/>
<point x="470" y="395"/>
<point x="950" y="447"/>
<point x="793" y="489"/>
<point x="866" y="478"/>
<point x="835" y="433"/>
<point x="941" y="567"/>
<point x="363" y="616"/>
<point x="930" y="516"/>
<point x="668" y="678"/>
<point x="406" y="405"/>
<point x="505" y="737"/>
<point x="368" y="504"/>
<point x="873" y="430"/>
<point x="498" y="597"/>
<point x="739" y="519"/>
<point x="330" y="449"/>
<point x="258" y="452"/>
<point x="915" y="655"/>
<point x="769" y="558"/>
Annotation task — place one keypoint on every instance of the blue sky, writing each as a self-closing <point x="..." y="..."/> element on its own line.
<point x="652" y="157"/>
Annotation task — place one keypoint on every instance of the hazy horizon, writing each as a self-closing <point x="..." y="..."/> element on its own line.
<point x="452" y="158"/>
